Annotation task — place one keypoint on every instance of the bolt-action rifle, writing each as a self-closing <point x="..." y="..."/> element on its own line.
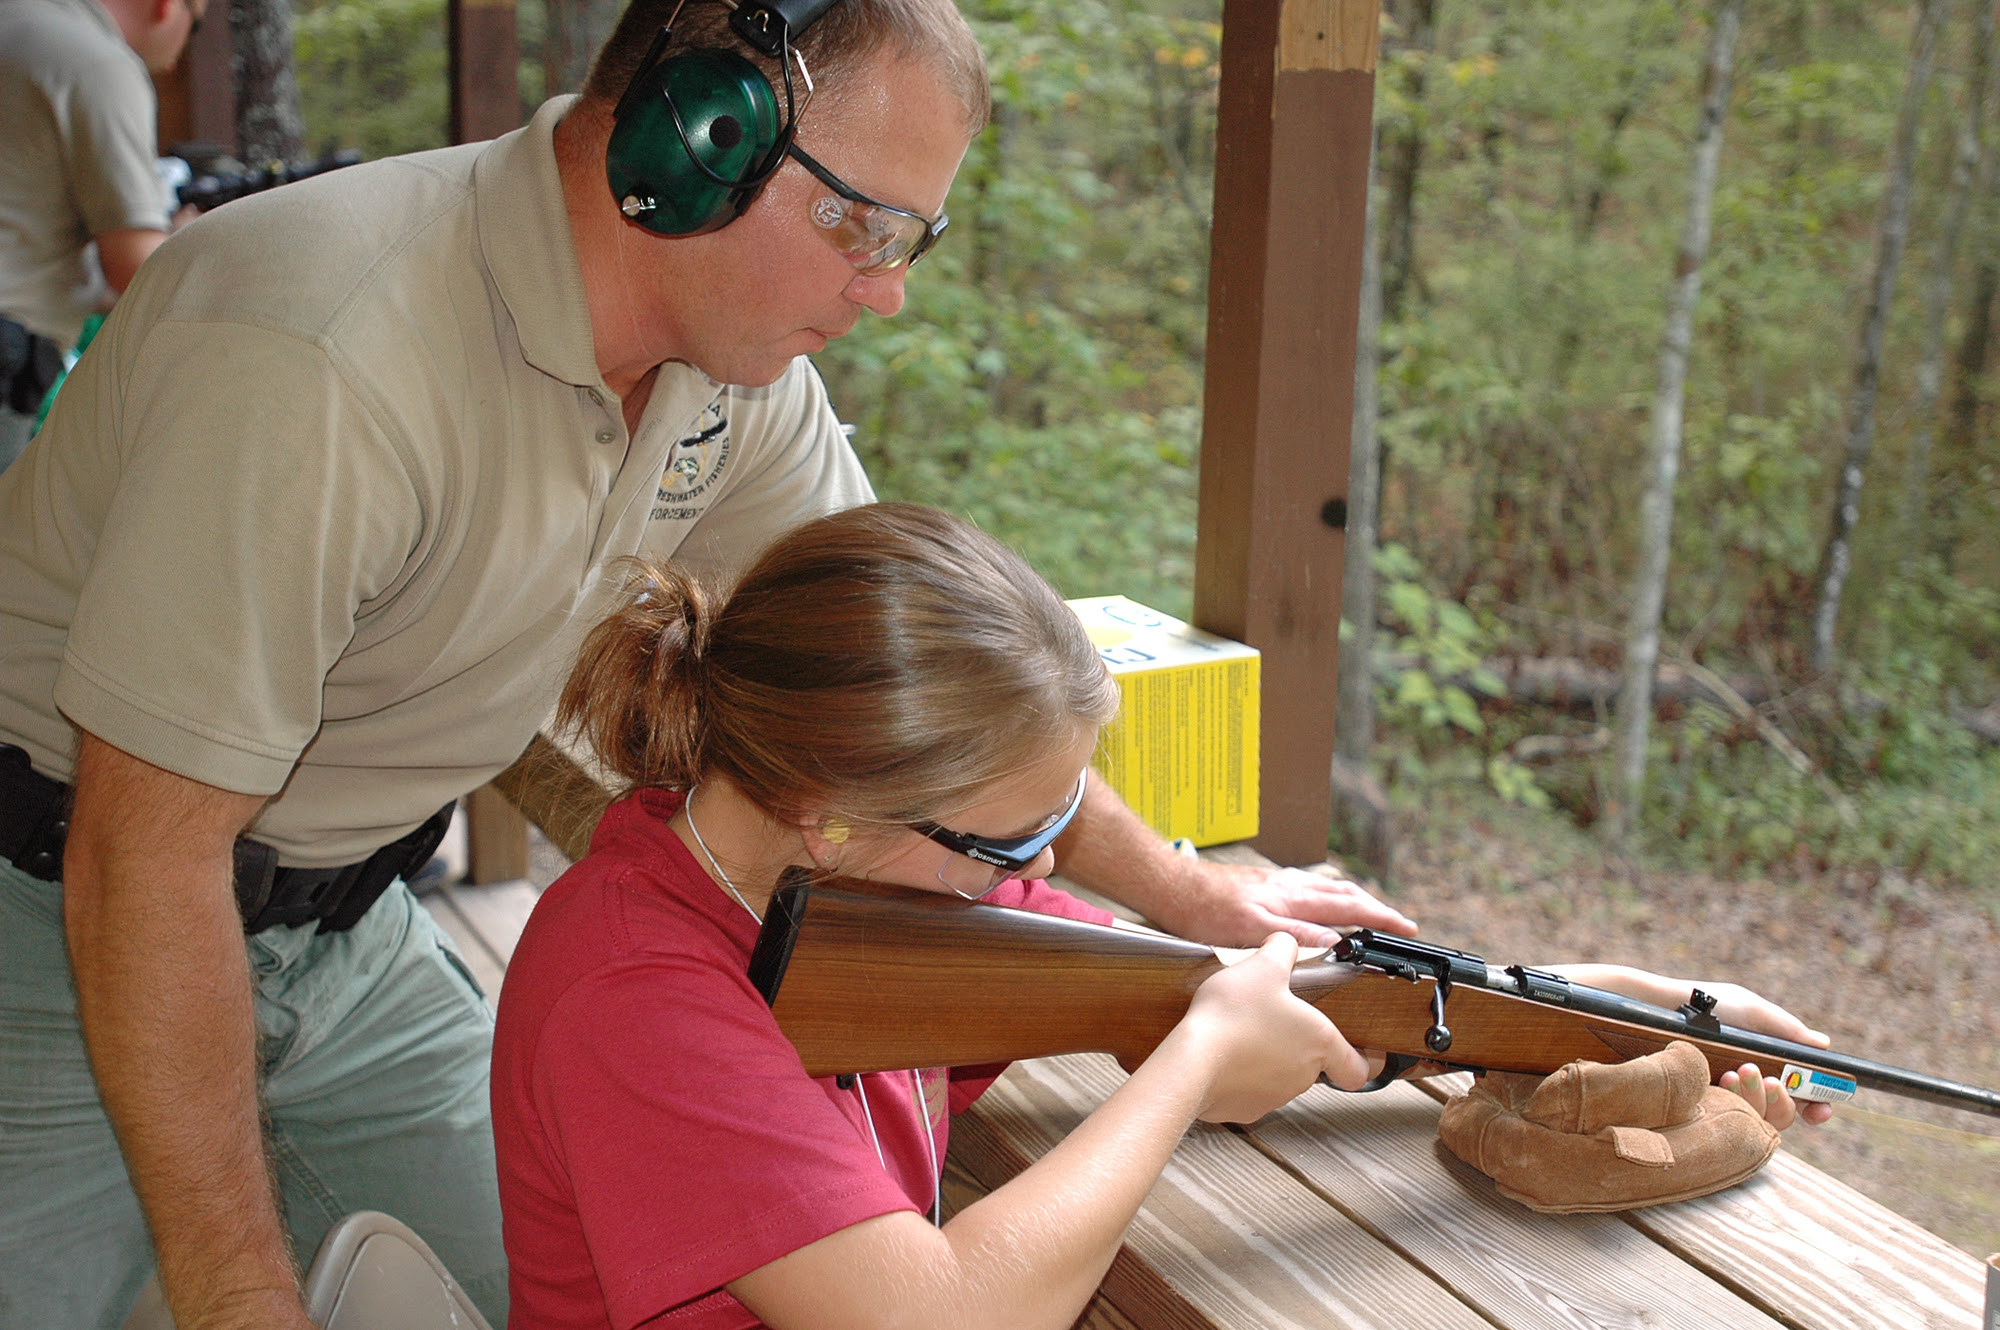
<point x="863" y="977"/>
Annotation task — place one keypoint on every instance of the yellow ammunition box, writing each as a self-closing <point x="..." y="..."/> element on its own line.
<point x="1183" y="751"/>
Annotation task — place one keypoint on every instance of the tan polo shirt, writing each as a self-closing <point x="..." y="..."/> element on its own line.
<point x="77" y="131"/>
<point x="326" y="506"/>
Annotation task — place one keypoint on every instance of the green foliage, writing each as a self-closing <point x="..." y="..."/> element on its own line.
<point x="1438" y="665"/>
<point x="371" y="74"/>
<point x="1440" y="641"/>
<point x="1045" y="378"/>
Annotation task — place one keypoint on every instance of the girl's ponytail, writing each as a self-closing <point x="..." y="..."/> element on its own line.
<point x="637" y="694"/>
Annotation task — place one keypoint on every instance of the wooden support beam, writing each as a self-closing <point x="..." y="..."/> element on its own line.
<point x="198" y="96"/>
<point x="1291" y="179"/>
<point x="485" y="59"/>
<point x="496" y="838"/>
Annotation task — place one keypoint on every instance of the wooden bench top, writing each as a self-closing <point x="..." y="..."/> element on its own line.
<point x="1343" y="1210"/>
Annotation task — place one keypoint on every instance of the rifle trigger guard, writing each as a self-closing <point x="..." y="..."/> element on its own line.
<point x="1393" y="1067"/>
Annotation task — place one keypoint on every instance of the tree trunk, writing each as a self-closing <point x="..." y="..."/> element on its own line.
<point x="1354" y="719"/>
<point x="576" y="29"/>
<point x="269" y="125"/>
<point x="1966" y="168"/>
<point x="1838" y="558"/>
<point x="1974" y="349"/>
<point x="1402" y="159"/>
<point x="1361" y="821"/>
<point x="1656" y="507"/>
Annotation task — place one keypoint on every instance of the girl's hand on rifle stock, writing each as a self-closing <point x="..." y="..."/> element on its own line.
<point x="1262" y="1046"/>
<point x="1734" y="1005"/>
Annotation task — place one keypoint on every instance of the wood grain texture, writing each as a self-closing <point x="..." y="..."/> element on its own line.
<point x="496" y="837"/>
<point x="1376" y="1159"/>
<point x="1225" y="1239"/>
<point x="1292" y="150"/>
<point x="1810" y="1250"/>
<point x="1329" y="34"/>
<point x="483" y="55"/>
<point x="1813" y="1251"/>
<point x="555" y="792"/>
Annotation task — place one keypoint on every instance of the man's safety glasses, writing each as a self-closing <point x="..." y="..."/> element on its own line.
<point x="873" y="236"/>
<point x="1008" y="854"/>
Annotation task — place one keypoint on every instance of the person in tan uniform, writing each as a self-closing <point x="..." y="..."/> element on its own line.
<point x="310" y="539"/>
<point x="77" y="175"/>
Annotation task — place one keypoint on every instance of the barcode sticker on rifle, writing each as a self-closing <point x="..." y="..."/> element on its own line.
<point x="1823" y="1086"/>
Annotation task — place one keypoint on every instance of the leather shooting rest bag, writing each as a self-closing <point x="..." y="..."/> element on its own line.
<point x="1608" y="1136"/>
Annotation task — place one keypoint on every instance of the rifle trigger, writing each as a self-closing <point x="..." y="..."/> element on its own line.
<point x="1393" y="1067"/>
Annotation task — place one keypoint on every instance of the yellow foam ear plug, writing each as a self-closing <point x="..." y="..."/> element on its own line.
<point x="836" y="831"/>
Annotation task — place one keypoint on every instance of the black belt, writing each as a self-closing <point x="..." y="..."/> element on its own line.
<point x="34" y="823"/>
<point x="29" y="364"/>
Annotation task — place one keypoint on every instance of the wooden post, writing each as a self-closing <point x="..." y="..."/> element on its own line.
<point x="485" y="61"/>
<point x="197" y="96"/>
<point x="484" y="58"/>
<point x="1291" y="188"/>
<point x="496" y="838"/>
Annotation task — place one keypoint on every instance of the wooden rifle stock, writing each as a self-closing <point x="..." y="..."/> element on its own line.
<point x="863" y="977"/>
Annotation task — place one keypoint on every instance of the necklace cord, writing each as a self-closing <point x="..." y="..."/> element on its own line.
<point x="687" y="806"/>
<point x="860" y="1084"/>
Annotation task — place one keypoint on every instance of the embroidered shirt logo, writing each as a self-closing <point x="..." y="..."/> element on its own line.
<point x="694" y="465"/>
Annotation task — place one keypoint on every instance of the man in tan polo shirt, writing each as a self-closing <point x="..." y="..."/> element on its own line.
<point x="76" y="175"/>
<point x="303" y="555"/>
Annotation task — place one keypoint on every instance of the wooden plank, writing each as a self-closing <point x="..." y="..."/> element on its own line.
<point x="1225" y="1239"/>
<point x="556" y="792"/>
<point x="1376" y="1158"/>
<point x="1813" y="1251"/>
<point x="1810" y="1250"/>
<point x="1292" y="148"/>
<point x="496" y="837"/>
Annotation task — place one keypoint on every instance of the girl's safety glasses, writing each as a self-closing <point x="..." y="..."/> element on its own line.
<point x="1008" y="854"/>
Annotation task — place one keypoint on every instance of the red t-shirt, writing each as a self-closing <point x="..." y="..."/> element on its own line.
<point x="657" y="1136"/>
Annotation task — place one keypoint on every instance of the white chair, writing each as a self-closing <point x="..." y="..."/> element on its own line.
<point x="372" y="1273"/>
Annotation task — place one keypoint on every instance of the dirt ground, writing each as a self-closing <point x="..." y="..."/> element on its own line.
<point x="1895" y="971"/>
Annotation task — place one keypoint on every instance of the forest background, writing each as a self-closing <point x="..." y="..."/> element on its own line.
<point x="1046" y="381"/>
<point x="1826" y="833"/>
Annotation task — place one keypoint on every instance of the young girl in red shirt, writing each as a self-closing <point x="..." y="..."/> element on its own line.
<point x="884" y="689"/>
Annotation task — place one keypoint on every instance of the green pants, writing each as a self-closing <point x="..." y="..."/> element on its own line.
<point x="374" y="1047"/>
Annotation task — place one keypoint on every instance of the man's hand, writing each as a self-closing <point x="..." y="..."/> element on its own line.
<point x="1108" y="849"/>
<point x="1734" y="1005"/>
<point x="1232" y="905"/>
<point x="164" y="998"/>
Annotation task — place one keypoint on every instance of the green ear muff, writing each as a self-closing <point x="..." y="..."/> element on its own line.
<point x="678" y="179"/>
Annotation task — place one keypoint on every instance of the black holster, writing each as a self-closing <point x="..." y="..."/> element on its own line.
<point x="29" y="364"/>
